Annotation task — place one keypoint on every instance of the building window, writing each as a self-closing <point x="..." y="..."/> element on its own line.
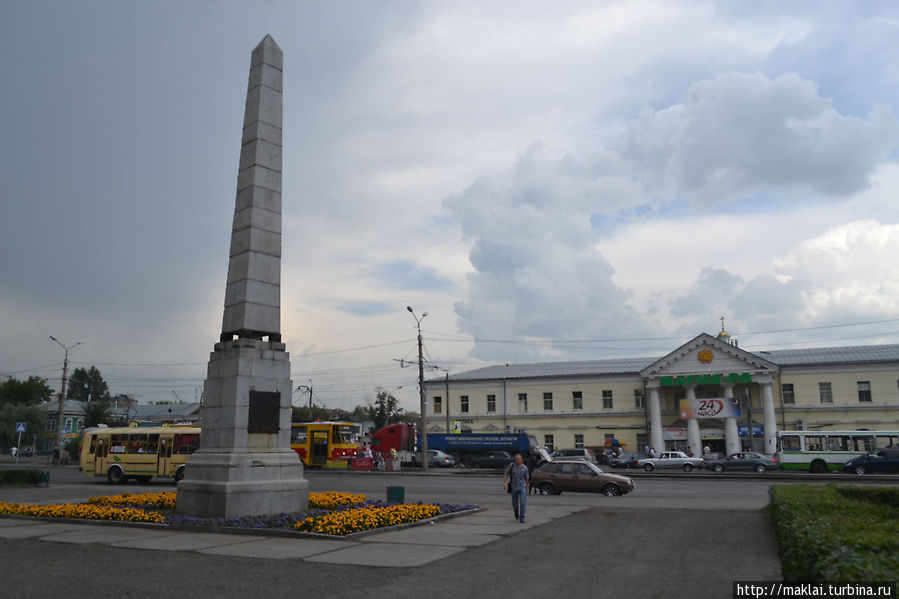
<point x="607" y="398"/>
<point x="825" y="392"/>
<point x="549" y="441"/>
<point x="547" y="401"/>
<point x="51" y="425"/>
<point x="864" y="391"/>
<point x="438" y="404"/>
<point x="579" y="441"/>
<point x="463" y="399"/>
<point x="787" y="393"/>
<point x="523" y="402"/>
<point x="577" y="400"/>
<point x="642" y="441"/>
<point x="609" y="436"/>
<point x="639" y="398"/>
<point x="491" y="403"/>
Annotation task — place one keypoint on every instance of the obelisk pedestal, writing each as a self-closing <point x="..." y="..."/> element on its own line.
<point x="245" y="466"/>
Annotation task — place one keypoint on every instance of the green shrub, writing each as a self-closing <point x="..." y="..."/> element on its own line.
<point x="884" y="495"/>
<point x="826" y="534"/>
<point x="20" y="477"/>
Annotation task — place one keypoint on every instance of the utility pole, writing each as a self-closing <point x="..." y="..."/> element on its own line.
<point x="447" y="403"/>
<point x="60" y="419"/>
<point x="310" y="398"/>
<point x="421" y="392"/>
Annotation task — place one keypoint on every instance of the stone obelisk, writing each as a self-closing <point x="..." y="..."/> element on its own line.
<point x="245" y="465"/>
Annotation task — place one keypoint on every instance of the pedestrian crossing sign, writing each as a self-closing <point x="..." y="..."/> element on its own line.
<point x="20" y="427"/>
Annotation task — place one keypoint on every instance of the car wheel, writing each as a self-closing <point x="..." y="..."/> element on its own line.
<point x="115" y="475"/>
<point x="860" y="470"/>
<point x="819" y="467"/>
<point x="547" y="489"/>
<point x="718" y="468"/>
<point x="688" y="467"/>
<point x="648" y="468"/>
<point x="611" y="490"/>
<point x="760" y="468"/>
<point x="179" y="474"/>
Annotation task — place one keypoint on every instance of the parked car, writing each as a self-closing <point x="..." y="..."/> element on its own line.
<point x="436" y="459"/>
<point x="566" y="474"/>
<point x="579" y="454"/>
<point x="746" y="460"/>
<point x="627" y="459"/>
<point x="669" y="460"/>
<point x="885" y="460"/>
<point x="491" y="459"/>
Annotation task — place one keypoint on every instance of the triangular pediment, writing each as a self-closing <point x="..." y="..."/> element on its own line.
<point x="708" y="355"/>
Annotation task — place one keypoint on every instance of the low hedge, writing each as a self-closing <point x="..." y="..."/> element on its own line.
<point x="831" y="534"/>
<point x="20" y="477"/>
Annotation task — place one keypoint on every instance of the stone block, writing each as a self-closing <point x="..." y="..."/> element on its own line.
<point x="260" y="130"/>
<point x="267" y="76"/>
<point x="260" y="197"/>
<point x="267" y="52"/>
<point x="253" y="317"/>
<point x="259" y="152"/>
<point x="255" y="216"/>
<point x="255" y="266"/>
<point x="252" y="239"/>
<point x="259" y="176"/>
<point x="263" y="104"/>
<point x="256" y="292"/>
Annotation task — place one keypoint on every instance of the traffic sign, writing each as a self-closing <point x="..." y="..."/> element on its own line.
<point x="20" y="427"/>
<point x="65" y="430"/>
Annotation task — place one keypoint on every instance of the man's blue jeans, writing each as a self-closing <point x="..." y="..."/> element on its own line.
<point x="519" y="503"/>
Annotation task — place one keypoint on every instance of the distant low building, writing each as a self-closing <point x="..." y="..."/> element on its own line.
<point x="72" y="422"/>
<point x="174" y="413"/>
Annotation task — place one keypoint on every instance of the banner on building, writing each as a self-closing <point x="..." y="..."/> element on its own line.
<point x="717" y="407"/>
<point x="674" y="433"/>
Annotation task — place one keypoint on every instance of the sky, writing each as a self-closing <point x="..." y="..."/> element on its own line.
<point x="548" y="181"/>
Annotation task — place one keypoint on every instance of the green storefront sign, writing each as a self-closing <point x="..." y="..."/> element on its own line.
<point x="705" y="379"/>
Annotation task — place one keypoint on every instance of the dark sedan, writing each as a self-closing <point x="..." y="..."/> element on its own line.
<point x="744" y="461"/>
<point x="578" y="475"/>
<point x="883" y="461"/>
<point x="626" y="460"/>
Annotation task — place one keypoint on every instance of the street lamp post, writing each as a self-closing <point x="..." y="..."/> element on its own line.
<point x="62" y="392"/>
<point x="421" y="392"/>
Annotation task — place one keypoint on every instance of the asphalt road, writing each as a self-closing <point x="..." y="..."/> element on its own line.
<point x="672" y="536"/>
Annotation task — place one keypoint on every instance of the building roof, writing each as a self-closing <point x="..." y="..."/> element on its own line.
<point x="72" y="406"/>
<point x="160" y="412"/>
<point x="823" y="356"/>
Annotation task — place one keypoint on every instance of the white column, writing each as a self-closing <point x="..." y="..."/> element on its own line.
<point x="731" y="433"/>
<point x="770" y="418"/>
<point x="693" y="440"/>
<point x="656" y="439"/>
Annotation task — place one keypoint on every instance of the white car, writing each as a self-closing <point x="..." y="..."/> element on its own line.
<point x="670" y="460"/>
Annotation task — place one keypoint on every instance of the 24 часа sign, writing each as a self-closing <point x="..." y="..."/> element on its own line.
<point x="717" y="407"/>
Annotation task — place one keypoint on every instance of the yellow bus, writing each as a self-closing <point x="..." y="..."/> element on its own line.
<point x="324" y="443"/>
<point x="138" y="452"/>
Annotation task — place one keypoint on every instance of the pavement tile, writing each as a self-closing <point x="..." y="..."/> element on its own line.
<point x="187" y="541"/>
<point x="386" y="555"/>
<point x="279" y="548"/>
<point x="36" y="530"/>
<point x="428" y="536"/>
<point x="7" y="522"/>
<point x="104" y="535"/>
<point x="511" y="526"/>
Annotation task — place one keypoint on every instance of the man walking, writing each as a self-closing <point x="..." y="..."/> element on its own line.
<point x="517" y="480"/>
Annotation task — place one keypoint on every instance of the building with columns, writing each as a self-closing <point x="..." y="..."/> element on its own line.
<point x="707" y="392"/>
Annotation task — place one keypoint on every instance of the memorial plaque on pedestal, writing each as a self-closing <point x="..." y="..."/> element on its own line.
<point x="264" y="412"/>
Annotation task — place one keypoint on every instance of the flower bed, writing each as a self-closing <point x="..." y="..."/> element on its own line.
<point x="83" y="511"/>
<point x="344" y="522"/>
<point x="330" y="513"/>
<point x="332" y="499"/>
<point x="162" y="501"/>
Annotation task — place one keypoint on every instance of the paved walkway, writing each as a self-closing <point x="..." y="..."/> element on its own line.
<point x="408" y="547"/>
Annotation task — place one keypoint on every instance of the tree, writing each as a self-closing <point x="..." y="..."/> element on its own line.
<point x="87" y="383"/>
<point x="385" y="410"/>
<point x="34" y="417"/>
<point x="96" y="412"/>
<point x="32" y="391"/>
<point x="307" y="414"/>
